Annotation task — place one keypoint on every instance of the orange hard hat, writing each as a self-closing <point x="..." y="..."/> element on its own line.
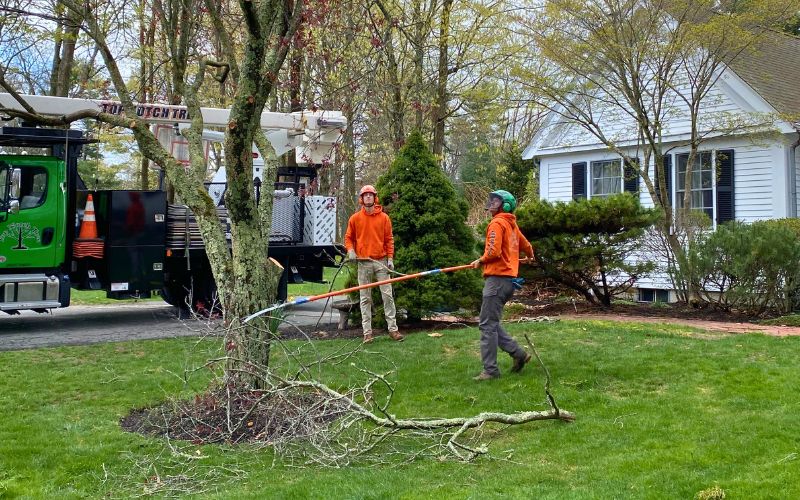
<point x="369" y="188"/>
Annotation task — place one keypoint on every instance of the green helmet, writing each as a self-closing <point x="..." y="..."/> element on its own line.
<point x="509" y="202"/>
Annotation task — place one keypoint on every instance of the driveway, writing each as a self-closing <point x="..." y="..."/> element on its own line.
<point x="78" y="325"/>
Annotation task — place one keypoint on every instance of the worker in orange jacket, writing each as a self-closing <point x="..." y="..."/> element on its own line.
<point x="500" y="261"/>
<point x="369" y="240"/>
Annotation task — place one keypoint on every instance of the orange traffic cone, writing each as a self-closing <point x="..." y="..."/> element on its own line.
<point x="89" y="224"/>
<point x="87" y="244"/>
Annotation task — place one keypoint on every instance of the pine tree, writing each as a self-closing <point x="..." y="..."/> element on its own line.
<point x="428" y="218"/>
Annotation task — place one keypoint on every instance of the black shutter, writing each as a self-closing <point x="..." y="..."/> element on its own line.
<point x="725" y="198"/>
<point x="630" y="179"/>
<point x="667" y="178"/>
<point x="579" y="181"/>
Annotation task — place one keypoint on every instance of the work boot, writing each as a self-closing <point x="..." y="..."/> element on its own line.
<point x="485" y="376"/>
<point x="395" y="335"/>
<point x="519" y="363"/>
<point x="368" y="337"/>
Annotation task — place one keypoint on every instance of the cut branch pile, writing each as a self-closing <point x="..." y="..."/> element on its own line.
<point x="310" y="423"/>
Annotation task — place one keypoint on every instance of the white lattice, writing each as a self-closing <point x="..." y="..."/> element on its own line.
<point x="320" y="220"/>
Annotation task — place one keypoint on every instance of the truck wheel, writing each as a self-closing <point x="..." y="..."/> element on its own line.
<point x="174" y="295"/>
<point x="283" y="285"/>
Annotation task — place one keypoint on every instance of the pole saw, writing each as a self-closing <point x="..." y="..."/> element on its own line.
<point x="303" y="300"/>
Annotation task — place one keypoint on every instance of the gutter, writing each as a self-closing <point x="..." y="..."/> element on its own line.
<point x="792" y="172"/>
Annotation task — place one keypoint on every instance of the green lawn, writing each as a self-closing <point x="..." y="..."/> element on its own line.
<point x="98" y="297"/>
<point x="662" y="412"/>
<point x="307" y="289"/>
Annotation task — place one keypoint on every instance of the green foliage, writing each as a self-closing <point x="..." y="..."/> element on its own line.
<point x="429" y="232"/>
<point x="753" y="268"/>
<point x="97" y="175"/>
<point x="478" y="165"/>
<point x="515" y="174"/>
<point x="583" y="244"/>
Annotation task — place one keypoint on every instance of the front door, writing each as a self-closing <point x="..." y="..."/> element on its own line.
<point x="34" y="237"/>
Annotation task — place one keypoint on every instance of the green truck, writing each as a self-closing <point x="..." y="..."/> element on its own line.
<point x="143" y="245"/>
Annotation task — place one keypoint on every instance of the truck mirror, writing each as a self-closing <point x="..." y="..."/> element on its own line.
<point x="13" y="207"/>
<point x="16" y="183"/>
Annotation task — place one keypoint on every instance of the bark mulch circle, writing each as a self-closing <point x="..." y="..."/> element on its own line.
<point x="235" y="416"/>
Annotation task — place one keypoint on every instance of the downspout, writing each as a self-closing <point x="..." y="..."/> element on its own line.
<point x="793" y="172"/>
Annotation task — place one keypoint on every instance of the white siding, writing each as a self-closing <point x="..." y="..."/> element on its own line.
<point x="757" y="187"/>
<point x="797" y="182"/>
<point x="559" y="180"/>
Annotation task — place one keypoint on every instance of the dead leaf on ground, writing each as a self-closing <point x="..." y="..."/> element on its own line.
<point x="435" y="334"/>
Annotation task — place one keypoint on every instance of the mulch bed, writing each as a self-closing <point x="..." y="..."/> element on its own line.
<point x="680" y="311"/>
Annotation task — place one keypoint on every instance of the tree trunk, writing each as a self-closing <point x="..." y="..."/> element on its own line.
<point x="440" y="107"/>
<point x="64" y="62"/>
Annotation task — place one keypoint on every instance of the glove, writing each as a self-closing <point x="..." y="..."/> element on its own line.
<point x="390" y="264"/>
<point x="517" y="282"/>
<point x="351" y="254"/>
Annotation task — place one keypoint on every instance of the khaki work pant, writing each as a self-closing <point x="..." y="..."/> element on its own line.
<point x="369" y="272"/>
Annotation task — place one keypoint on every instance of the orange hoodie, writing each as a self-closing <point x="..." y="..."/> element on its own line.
<point x="370" y="235"/>
<point x="504" y="241"/>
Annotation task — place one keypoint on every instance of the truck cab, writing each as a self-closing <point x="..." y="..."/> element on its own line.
<point x="34" y="202"/>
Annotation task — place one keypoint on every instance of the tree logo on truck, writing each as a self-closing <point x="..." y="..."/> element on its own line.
<point x="21" y="232"/>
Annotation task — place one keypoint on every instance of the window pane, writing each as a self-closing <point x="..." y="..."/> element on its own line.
<point x="706" y="179"/>
<point x="606" y="177"/>
<point x="708" y="198"/>
<point x="702" y="197"/>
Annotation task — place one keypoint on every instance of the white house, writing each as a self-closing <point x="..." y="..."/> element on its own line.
<point x="757" y="178"/>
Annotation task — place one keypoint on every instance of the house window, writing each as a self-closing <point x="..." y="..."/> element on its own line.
<point x="606" y="177"/>
<point x="702" y="183"/>
<point x="653" y="295"/>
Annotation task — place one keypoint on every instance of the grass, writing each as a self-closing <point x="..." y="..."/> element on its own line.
<point x="308" y="289"/>
<point x="788" y="320"/>
<point x="98" y="297"/>
<point x="662" y="412"/>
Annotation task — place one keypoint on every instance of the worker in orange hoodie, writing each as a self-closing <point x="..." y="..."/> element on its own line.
<point x="500" y="261"/>
<point x="369" y="240"/>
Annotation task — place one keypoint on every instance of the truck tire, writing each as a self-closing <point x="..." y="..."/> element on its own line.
<point x="283" y="285"/>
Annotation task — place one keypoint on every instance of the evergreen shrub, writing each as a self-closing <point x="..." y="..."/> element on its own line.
<point x="588" y="245"/>
<point x="428" y="219"/>
<point x="752" y="268"/>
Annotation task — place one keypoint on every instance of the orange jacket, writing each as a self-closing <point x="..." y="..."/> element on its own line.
<point x="370" y="235"/>
<point x="504" y="241"/>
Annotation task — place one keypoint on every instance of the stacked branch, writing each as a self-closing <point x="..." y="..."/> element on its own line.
<point x="308" y="422"/>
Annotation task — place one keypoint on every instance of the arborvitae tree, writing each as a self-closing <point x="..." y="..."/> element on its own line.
<point x="428" y="218"/>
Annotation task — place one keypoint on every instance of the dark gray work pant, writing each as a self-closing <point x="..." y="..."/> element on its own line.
<point x="496" y="292"/>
